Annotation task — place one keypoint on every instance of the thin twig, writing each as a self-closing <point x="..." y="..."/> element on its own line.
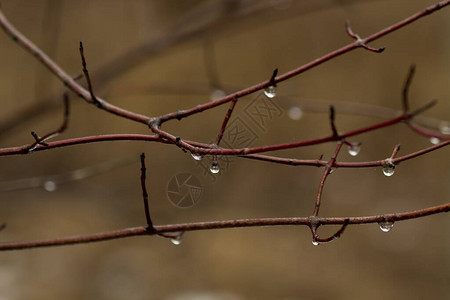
<point x="145" y="194"/>
<point x="88" y="79"/>
<point x="42" y="140"/>
<point x="333" y="126"/>
<point x="361" y="41"/>
<point x="159" y="229"/>
<point x="336" y="235"/>
<point x="326" y="172"/>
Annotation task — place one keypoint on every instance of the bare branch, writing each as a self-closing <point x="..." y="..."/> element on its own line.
<point x="162" y="229"/>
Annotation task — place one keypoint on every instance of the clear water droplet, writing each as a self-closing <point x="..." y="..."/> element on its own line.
<point x="315" y="243"/>
<point x="354" y="149"/>
<point x="388" y="168"/>
<point x="386" y="226"/>
<point x="444" y="127"/>
<point x="270" y="91"/>
<point x="434" y="140"/>
<point x="332" y="170"/>
<point x="214" y="168"/>
<point x="217" y="94"/>
<point x="295" y="113"/>
<point x="196" y="156"/>
<point x="176" y="240"/>
<point x="50" y="186"/>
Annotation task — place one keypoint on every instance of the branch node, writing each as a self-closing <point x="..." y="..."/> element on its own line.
<point x="361" y="42"/>
<point x="394" y="152"/>
<point x="331" y="238"/>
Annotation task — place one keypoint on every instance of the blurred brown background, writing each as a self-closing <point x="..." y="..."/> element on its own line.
<point x="193" y="48"/>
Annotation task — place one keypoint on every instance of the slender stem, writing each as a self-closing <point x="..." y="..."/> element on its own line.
<point x="145" y="194"/>
<point x="161" y="229"/>
<point x="225" y="121"/>
<point x="326" y="172"/>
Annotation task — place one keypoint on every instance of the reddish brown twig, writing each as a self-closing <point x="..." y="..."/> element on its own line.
<point x="360" y="41"/>
<point x="42" y="140"/>
<point x="176" y="228"/>
<point x="326" y="172"/>
<point x="317" y="239"/>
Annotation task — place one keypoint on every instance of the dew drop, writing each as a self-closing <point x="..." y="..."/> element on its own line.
<point x="354" y="149"/>
<point x="214" y="168"/>
<point x="295" y="113"/>
<point x="386" y="226"/>
<point x="196" y="156"/>
<point x="270" y="91"/>
<point x="332" y="170"/>
<point x="444" y="127"/>
<point x="217" y="94"/>
<point x="388" y="168"/>
<point x="315" y="243"/>
<point x="176" y="240"/>
<point x="50" y="186"/>
<point x="434" y="140"/>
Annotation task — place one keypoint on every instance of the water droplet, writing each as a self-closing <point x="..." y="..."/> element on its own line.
<point x="354" y="149"/>
<point x="332" y="170"/>
<point x="388" y="168"/>
<point x="434" y="140"/>
<point x="176" y="240"/>
<point x="217" y="94"/>
<point x="315" y="243"/>
<point x="270" y="91"/>
<point x="196" y="156"/>
<point x="386" y="226"/>
<point x="295" y="113"/>
<point x="50" y="186"/>
<point x="444" y="127"/>
<point x="214" y="168"/>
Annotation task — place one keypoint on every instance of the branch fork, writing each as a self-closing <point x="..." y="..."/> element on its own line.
<point x="361" y="42"/>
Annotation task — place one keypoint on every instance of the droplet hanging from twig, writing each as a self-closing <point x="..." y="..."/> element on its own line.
<point x="386" y="226"/>
<point x="270" y="91"/>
